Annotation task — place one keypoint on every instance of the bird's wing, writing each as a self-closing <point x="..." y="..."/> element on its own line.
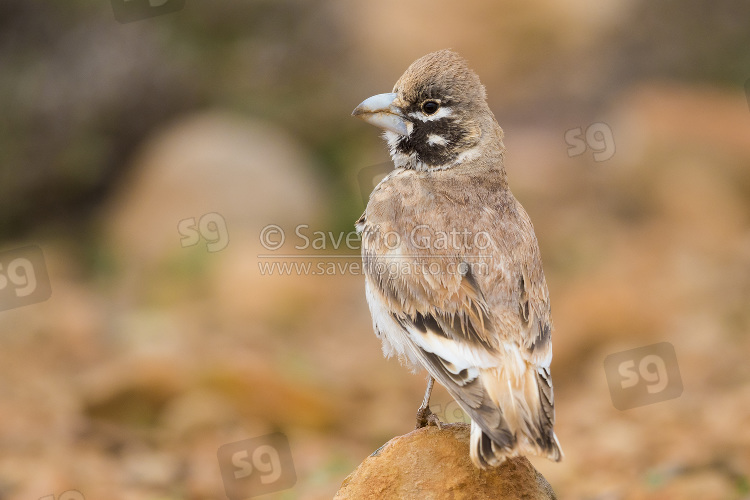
<point x="479" y="323"/>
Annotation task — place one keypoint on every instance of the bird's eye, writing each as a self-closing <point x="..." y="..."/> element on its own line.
<point x="430" y="107"/>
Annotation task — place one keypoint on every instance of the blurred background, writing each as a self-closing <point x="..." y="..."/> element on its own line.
<point x="144" y="165"/>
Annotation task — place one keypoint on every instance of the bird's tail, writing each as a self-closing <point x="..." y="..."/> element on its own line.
<point x="517" y="418"/>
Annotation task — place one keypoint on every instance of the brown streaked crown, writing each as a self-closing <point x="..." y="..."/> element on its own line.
<point x="438" y="138"/>
<point x="441" y="74"/>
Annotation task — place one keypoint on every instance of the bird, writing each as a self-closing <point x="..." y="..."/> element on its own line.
<point x="453" y="272"/>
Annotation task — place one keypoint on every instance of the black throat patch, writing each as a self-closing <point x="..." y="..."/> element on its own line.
<point x="447" y="138"/>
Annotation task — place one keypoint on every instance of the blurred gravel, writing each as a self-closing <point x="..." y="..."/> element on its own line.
<point x="149" y="355"/>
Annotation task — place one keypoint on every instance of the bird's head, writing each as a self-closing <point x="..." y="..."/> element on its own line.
<point x="437" y="115"/>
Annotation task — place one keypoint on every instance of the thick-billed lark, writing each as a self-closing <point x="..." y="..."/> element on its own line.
<point x="453" y="274"/>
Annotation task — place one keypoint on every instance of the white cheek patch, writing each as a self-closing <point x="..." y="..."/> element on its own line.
<point x="441" y="113"/>
<point x="392" y="139"/>
<point x="434" y="139"/>
<point x="399" y="159"/>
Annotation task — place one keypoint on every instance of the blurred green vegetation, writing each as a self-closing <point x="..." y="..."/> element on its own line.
<point x="79" y="93"/>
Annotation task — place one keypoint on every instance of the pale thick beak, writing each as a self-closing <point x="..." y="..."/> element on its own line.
<point x="378" y="110"/>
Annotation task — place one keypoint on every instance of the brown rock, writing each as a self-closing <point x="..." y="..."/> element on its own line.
<point x="211" y="162"/>
<point x="432" y="463"/>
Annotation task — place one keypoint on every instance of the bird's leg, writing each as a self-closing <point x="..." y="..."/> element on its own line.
<point x="424" y="416"/>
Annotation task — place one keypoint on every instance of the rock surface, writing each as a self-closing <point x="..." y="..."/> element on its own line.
<point x="432" y="463"/>
<point x="212" y="162"/>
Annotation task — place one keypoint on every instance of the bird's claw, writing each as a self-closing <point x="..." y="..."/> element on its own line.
<point x="425" y="417"/>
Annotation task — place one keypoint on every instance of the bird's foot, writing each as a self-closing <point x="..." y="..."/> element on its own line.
<point x="425" y="417"/>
